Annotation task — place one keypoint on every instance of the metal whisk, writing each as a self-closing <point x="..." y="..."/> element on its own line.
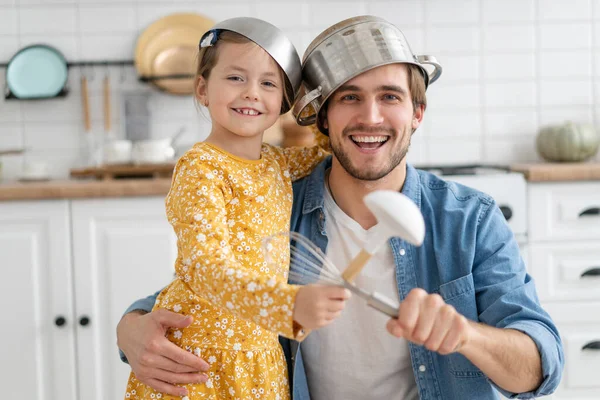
<point x="309" y="265"/>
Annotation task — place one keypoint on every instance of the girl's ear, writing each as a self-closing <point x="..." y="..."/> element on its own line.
<point x="201" y="90"/>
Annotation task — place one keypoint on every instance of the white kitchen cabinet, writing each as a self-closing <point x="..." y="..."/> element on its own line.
<point x="83" y="261"/>
<point x="38" y="330"/>
<point x="123" y="249"/>
<point x="564" y="243"/>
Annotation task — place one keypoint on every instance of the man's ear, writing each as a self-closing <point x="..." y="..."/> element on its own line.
<point x="323" y="115"/>
<point x="418" y="116"/>
<point x="201" y="90"/>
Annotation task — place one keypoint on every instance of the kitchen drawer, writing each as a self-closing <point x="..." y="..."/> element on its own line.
<point x="579" y="327"/>
<point x="564" y="211"/>
<point x="582" y="355"/>
<point x="566" y="271"/>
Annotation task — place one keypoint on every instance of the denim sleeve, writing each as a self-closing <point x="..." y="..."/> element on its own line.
<point x="507" y="298"/>
<point x="146" y="304"/>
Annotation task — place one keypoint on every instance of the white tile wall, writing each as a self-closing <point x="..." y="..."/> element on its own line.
<point x="509" y="11"/>
<point x="510" y="67"/>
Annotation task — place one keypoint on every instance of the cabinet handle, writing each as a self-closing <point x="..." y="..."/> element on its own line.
<point x="594" y="271"/>
<point x="84" y="321"/>
<point x="60" y="321"/>
<point x="507" y="212"/>
<point x="590" y="211"/>
<point x="595" y="345"/>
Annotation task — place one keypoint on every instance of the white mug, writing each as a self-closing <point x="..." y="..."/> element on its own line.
<point x="117" y="152"/>
<point x="153" y="151"/>
<point x="35" y="170"/>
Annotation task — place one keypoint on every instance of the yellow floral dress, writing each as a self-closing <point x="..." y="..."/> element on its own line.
<point x="221" y="208"/>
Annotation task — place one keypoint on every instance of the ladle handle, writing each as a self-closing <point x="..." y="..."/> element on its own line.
<point x="356" y="265"/>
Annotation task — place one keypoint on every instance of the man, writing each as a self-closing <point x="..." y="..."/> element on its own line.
<point x="469" y="319"/>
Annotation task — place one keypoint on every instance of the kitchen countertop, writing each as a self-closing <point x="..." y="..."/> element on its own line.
<point x="80" y="189"/>
<point x="559" y="172"/>
<point x="84" y="188"/>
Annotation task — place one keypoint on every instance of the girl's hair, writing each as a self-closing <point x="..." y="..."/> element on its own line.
<point x="207" y="59"/>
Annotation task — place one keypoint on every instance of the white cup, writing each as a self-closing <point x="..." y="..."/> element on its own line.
<point x="35" y="170"/>
<point x="153" y="151"/>
<point x="117" y="152"/>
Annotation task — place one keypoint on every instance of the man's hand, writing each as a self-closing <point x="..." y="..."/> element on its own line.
<point x="425" y="319"/>
<point x="156" y="361"/>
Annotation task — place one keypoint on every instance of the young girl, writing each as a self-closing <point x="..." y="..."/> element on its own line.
<point x="229" y="193"/>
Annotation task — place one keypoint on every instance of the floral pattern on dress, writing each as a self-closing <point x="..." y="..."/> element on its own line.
<point x="221" y="208"/>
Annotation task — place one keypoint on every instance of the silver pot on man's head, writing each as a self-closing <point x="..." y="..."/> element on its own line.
<point x="348" y="49"/>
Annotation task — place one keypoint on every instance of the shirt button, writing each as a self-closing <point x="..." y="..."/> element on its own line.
<point x="422" y="368"/>
<point x="402" y="252"/>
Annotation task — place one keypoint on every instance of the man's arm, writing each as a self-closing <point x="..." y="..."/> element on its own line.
<point x="156" y="361"/>
<point x="506" y="356"/>
<point x="516" y="344"/>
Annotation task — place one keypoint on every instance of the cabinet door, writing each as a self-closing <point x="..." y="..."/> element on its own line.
<point x="37" y="335"/>
<point x="579" y="327"/>
<point x="123" y="249"/>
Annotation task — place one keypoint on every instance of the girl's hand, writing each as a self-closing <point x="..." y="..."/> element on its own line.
<point x="318" y="305"/>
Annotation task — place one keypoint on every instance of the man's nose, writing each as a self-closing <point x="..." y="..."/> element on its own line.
<point x="370" y="112"/>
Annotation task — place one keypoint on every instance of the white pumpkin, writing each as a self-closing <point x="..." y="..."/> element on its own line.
<point x="568" y="142"/>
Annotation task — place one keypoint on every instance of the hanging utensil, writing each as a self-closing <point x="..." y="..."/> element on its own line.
<point x="85" y="104"/>
<point x="92" y="151"/>
<point x="107" y="109"/>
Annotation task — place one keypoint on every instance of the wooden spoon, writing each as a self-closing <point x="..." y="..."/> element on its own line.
<point x="85" y="101"/>
<point x="107" y="111"/>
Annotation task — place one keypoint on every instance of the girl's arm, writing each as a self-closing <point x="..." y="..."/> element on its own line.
<point x="302" y="160"/>
<point x="206" y="263"/>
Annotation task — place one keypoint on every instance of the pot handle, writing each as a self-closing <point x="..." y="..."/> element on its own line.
<point x="431" y="60"/>
<point x="302" y="104"/>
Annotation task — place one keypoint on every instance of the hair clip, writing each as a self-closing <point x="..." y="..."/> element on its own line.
<point x="209" y="38"/>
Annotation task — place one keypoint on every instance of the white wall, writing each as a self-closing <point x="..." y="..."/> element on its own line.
<point x="510" y="67"/>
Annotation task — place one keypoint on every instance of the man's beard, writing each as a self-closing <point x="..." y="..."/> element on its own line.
<point x="373" y="174"/>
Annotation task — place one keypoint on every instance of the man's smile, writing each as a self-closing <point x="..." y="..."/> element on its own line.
<point x="369" y="143"/>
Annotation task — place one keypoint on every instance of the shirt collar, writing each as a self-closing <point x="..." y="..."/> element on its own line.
<point x="315" y="187"/>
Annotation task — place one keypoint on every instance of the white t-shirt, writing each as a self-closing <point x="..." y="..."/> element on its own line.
<point x="355" y="358"/>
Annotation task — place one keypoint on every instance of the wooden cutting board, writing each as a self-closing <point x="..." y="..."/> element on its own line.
<point x="109" y="172"/>
<point x="554" y="172"/>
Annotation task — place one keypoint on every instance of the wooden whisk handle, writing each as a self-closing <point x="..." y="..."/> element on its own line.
<point x="356" y="265"/>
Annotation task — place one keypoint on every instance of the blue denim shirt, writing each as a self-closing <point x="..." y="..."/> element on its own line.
<point x="469" y="257"/>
